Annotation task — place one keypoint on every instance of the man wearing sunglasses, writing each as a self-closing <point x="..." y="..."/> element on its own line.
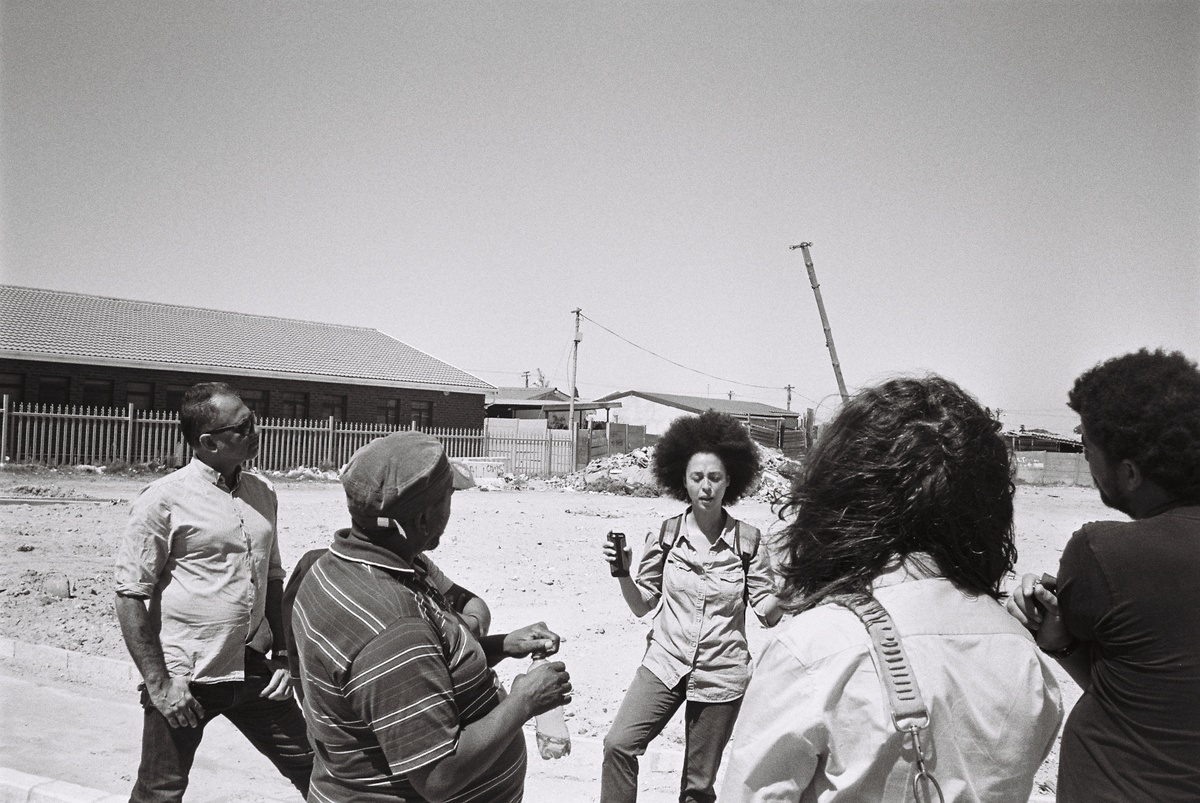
<point x="199" y="589"/>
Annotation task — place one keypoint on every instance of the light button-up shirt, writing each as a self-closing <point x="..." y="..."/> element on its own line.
<point x="699" y="629"/>
<point x="202" y="554"/>
<point x="816" y="724"/>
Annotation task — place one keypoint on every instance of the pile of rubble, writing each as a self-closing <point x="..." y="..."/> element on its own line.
<point x="304" y="473"/>
<point x="630" y="474"/>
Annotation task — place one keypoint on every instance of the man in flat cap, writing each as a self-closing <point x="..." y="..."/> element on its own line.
<point x="399" y="696"/>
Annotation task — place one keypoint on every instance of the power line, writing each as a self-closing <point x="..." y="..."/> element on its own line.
<point x="685" y="367"/>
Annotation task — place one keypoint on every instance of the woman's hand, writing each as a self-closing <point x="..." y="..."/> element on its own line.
<point x="611" y="556"/>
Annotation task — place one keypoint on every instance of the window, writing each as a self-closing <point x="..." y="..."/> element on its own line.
<point x="388" y="413"/>
<point x="256" y="400"/>
<point x="13" y="386"/>
<point x="54" y="390"/>
<point x="140" y="395"/>
<point x="334" y="407"/>
<point x="175" y="396"/>
<point x="293" y="404"/>
<point x="422" y="415"/>
<point x="97" y="393"/>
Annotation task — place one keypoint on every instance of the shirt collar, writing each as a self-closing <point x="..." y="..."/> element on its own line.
<point x="726" y="531"/>
<point x="210" y="474"/>
<point x="354" y="545"/>
<point x="914" y="566"/>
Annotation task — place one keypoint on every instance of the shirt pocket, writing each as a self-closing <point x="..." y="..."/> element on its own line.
<point x="727" y="585"/>
<point x="679" y="575"/>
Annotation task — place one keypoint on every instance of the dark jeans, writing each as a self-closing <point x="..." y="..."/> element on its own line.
<point x="275" y="727"/>
<point x="645" y="711"/>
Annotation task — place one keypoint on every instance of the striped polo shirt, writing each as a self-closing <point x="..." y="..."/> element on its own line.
<point x="390" y="678"/>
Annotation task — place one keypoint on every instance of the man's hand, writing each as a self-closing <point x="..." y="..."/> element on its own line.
<point x="280" y="687"/>
<point x="1022" y="604"/>
<point x="531" y="638"/>
<point x="1036" y="607"/>
<point x="175" y="702"/>
<point x="544" y="687"/>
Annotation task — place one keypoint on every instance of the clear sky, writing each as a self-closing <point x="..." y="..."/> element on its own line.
<point x="1001" y="192"/>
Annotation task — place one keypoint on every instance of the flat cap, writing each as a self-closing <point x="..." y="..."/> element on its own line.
<point x="397" y="477"/>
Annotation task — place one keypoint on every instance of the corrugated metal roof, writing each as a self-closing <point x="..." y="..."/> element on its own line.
<point x="1074" y="440"/>
<point x="50" y="323"/>
<point x="698" y="404"/>
<point x="514" y="394"/>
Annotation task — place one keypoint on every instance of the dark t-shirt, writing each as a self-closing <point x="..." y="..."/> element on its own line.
<point x="1132" y="589"/>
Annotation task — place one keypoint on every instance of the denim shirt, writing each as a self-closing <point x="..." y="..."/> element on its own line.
<point x="699" y="627"/>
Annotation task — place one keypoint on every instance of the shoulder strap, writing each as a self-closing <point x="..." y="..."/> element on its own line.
<point x="747" y="555"/>
<point x="909" y="713"/>
<point x="675" y="525"/>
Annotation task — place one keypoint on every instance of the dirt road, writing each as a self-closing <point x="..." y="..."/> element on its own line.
<point x="533" y="555"/>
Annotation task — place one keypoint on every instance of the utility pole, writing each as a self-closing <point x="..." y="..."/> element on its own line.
<point x="574" y="369"/>
<point x="789" y="389"/>
<point x="526" y="375"/>
<point x="812" y="278"/>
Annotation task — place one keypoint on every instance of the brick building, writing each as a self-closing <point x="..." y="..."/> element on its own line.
<point x="73" y="349"/>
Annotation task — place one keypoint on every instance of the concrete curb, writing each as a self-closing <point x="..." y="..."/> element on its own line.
<point x="21" y="787"/>
<point x="110" y="674"/>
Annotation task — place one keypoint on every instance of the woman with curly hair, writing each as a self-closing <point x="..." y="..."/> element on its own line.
<point x="699" y="573"/>
<point x="900" y="662"/>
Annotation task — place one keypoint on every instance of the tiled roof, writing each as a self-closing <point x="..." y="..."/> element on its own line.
<point x="698" y="404"/>
<point x="95" y="329"/>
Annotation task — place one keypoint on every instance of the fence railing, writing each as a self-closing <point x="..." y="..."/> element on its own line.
<point x="57" y="435"/>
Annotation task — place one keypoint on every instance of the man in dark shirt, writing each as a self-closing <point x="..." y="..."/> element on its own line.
<point x="1125" y="622"/>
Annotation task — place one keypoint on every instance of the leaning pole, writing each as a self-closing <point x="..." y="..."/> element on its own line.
<point x="816" y="288"/>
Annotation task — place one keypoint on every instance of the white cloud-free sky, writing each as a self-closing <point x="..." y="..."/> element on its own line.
<point x="1002" y="192"/>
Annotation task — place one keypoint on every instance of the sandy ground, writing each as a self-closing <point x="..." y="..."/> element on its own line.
<point x="533" y="555"/>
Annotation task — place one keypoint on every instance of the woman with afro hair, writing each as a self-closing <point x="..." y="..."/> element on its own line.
<point x="699" y="572"/>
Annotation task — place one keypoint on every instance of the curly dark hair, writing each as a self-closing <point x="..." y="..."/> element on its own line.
<point x="1145" y="407"/>
<point x="911" y="465"/>
<point x="713" y="432"/>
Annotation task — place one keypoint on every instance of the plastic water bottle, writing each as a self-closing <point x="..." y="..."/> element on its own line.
<point x="553" y="739"/>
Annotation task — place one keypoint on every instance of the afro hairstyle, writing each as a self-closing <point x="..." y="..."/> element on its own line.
<point x="1145" y="407"/>
<point x="712" y="432"/>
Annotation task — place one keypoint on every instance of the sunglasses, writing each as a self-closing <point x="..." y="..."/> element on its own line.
<point x="243" y="429"/>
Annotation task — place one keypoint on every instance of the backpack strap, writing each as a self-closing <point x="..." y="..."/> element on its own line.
<point x="675" y="525"/>
<point x="747" y="555"/>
